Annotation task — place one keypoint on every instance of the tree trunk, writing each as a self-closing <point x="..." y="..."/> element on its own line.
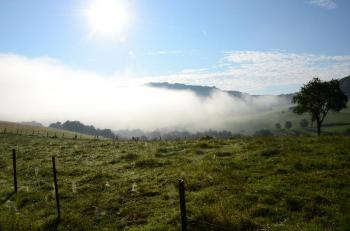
<point x="318" y="128"/>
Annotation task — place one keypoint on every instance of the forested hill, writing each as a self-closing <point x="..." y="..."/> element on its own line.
<point x="205" y="91"/>
<point x="77" y="126"/>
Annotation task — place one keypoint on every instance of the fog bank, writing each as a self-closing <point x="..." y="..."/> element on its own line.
<point x="46" y="91"/>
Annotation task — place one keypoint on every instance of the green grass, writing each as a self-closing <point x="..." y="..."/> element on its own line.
<point x="338" y="122"/>
<point x="274" y="183"/>
<point x="16" y="128"/>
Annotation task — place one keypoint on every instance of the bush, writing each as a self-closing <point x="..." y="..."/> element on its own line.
<point x="278" y="126"/>
<point x="271" y="152"/>
<point x="263" y="132"/>
<point x="304" y="123"/>
<point x="347" y="132"/>
<point x="288" y="125"/>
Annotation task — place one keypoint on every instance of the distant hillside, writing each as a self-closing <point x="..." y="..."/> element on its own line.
<point x="202" y="91"/>
<point x="205" y="91"/>
<point x="77" y="126"/>
<point x="32" y="123"/>
<point x="267" y="117"/>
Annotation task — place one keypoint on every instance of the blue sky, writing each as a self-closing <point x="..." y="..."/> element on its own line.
<point x="256" y="46"/>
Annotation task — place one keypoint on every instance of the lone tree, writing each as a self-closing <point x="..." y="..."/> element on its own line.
<point x="318" y="98"/>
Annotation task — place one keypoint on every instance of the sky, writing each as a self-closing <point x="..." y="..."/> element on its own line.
<point x="254" y="46"/>
<point x="90" y="60"/>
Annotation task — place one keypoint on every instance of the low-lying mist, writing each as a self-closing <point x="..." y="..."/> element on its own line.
<point x="47" y="91"/>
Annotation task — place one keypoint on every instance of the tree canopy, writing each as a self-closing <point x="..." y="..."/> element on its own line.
<point x="318" y="98"/>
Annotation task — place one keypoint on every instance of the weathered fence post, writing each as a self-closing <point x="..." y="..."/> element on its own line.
<point x="56" y="188"/>
<point x="14" y="169"/>
<point x="183" y="205"/>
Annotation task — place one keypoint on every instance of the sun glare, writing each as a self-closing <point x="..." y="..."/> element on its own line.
<point x="108" y="17"/>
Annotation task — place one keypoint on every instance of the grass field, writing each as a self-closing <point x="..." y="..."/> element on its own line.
<point x="16" y="128"/>
<point x="273" y="183"/>
<point x="338" y="123"/>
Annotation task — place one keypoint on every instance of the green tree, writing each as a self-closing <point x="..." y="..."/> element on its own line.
<point x="304" y="123"/>
<point x="288" y="125"/>
<point x="278" y="126"/>
<point x="318" y="98"/>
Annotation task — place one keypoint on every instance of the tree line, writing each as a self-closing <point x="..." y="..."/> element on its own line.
<point x="77" y="126"/>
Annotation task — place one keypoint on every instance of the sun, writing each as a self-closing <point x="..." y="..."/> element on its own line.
<point x="108" y="17"/>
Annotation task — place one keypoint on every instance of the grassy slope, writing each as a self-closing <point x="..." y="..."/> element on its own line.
<point x="38" y="131"/>
<point x="276" y="183"/>
<point x="267" y="120"/>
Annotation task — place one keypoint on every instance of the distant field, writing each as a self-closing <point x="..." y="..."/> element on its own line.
<point x="338" y="122"/>
<point x="16" y="128"/>
<point x="274" y="183"/>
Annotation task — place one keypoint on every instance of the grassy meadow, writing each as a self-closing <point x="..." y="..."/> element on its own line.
<point x="21" y="129"/>
<point x="335" y="122"/>
<point x="271" y="183"/>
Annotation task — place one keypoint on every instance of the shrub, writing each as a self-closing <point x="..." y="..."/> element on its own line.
<point x="304" y="123"/>
<point x="263" y="132"/>
<point x="288" y="125"/>
<point x="203" y="145"/>
<point x="271" y="152"/>
<point x="278" y="126"/>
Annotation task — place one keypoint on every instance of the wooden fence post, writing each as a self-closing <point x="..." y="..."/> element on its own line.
<point x="56" y="188"/>
<point x="14" y="169"/>
<point x="183" y="205"/>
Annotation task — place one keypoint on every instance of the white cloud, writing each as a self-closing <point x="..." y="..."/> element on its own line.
<point x="45" y="90"/>
<point x="328" y="4"/>
<point x="254" y="71"/>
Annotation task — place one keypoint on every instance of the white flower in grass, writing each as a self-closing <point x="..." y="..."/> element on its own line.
<point x="107" y="184"/>
<point x="134" y="187"/>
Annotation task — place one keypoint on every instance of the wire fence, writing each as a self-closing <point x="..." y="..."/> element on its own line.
<point x="26" y="171"/>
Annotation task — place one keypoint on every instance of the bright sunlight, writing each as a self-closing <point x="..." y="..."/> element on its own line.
<point x="108" y="17"/>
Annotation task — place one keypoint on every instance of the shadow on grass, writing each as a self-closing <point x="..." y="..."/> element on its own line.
<point x="7" y="197"/>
